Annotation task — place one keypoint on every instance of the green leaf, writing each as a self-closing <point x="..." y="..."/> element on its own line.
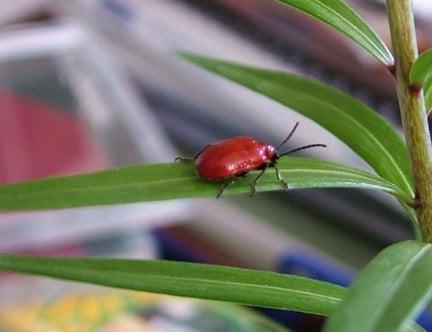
<point x="390" y="291"/>
<point x="252" y="287"/>
<point x="177" y="180"/>
<point x="421" y="75"/>
<point x="340" y="16"/>
<point x="358" y="126"/>
<point x="212" y="282"/>
<point x="428" y="93"/>
<point x="422" y="68"/>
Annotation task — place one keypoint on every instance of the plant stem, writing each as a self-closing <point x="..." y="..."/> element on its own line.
<point x="412" y="108"/>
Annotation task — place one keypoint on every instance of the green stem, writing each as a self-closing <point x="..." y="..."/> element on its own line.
<point x="412" y="108"/>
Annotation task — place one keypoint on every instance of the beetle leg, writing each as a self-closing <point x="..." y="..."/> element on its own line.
<point x="279" y="177"/>
<point x="184" y="160"/>
<point x="255" y="181"/>
<point x="189" y="160"/>
<point x="226" y="184"/>
<point x="222" y="187"/>
<point x="197" y="155"/>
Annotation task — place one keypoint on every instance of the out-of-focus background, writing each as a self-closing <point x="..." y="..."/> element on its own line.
<point x="87" y="85"/>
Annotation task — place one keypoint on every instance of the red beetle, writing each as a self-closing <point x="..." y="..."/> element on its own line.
<point x="235" y="157"/>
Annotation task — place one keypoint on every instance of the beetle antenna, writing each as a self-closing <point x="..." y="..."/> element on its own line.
<point x="289" y="136"/>
<point x="303" y="148"/>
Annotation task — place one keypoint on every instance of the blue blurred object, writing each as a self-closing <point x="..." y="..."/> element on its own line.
<point x="174" y="249"/>
<point x="119" y="9"/>
<point x="310" y="266"/>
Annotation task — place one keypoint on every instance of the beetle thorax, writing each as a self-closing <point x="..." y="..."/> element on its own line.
<point x="270" y="152"/>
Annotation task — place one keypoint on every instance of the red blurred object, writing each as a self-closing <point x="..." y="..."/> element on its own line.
<point x="37" y="139"/>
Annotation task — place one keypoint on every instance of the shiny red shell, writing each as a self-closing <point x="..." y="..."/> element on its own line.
<point x="232" y="157"/>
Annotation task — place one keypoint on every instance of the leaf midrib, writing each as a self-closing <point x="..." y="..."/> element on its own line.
<point x="192" y="279"/>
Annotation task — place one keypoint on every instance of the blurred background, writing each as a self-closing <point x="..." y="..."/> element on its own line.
<point x="87" y="85"/>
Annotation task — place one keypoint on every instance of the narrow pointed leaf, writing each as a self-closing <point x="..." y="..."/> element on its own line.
<point x="177" y="180"/>
<point x="252" y="287"/>
<point x="353" y="122"/>
<point x="212" y="282"/>
<point x="389" y="292"/>
<point x="340" y="16"/>
<point x="421" y="75"/>
<point x="422" y="68"/>
<point x="428" y="93"/>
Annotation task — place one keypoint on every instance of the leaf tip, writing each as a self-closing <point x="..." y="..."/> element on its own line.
<point x="187" y="56"/>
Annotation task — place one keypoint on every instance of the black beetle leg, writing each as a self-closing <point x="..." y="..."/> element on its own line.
<point x="228" y="183"/>
<point x="279" y="177"/>
<point x="184" y="160"/>
<point x="201" y="151"/>
<point x="222" y="187"/>
<point x="189" y="160"/>
<point x="255" y="181"/>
